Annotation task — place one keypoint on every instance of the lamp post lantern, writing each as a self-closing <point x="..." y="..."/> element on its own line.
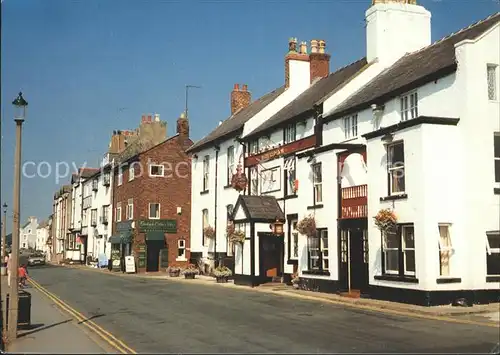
<point x="20" y="105"/>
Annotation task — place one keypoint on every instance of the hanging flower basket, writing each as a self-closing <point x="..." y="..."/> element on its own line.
<point x="239" y="180"/>
<point x="209" y="232"/>
<point x="237" y="237"/>
<point x="307" y="226"/>
<point x="385" y="220"/>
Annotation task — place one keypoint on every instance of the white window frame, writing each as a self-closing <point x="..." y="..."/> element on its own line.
<point x="494" y="84"/>
<point x="118" y="212"/>
<point x="325" y="257"/>
<point x="254" y="181"/>
<point x="496" y="158"/>
<point x="449" y="249"/>
<point x="206" y="172"/>
<point x="392" y="249"/>
<point x="350" y="126"/>
<point x="409" y="106"/>
<point x="181" y="246"/>
<point x="120" y="176"/>
<point x="230" y="163"/>
<point x="130" y="209"/>
<point x="162" y="169"/>
<point x="131" y="172"/>
<point x="404" y="249"/>
<point x="253" y="147"/>
<point x="399" y="167"/>
<point x="294" y="240"/>
<point x="290" y="133"/>
<point x="149" y="210"/>
<point x="490" y="250"/>
<point x="317" y="185"/>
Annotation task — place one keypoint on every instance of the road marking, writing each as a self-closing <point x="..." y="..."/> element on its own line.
<point x="95" y="328"/>
<point x="331" y="301"/>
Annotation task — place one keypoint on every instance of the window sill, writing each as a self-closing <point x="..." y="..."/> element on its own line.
<point x="493" y="278"/>
<point x="449" y="280"/>
<point x="316" y="272"/>
<point x="496" y="190"/>
<point x="289" y="197"/>
<point x="397" y="278"/>
<point x="292" y="262"/>
<point x="204" y="192"/>
<point x="229" y="186"/>
<point x="180" y="259"/>
<point x="394" y="197"/>
<point x="315" y="207"/>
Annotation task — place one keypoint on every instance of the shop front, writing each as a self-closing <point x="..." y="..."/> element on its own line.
<point x="151" y="248"/>
<point x="121" y="245"/>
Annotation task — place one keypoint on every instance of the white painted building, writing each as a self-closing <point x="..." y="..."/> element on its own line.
<point x="61" y="218"/>
<point x="42" y="237"/>
<point x="27" y="233"/>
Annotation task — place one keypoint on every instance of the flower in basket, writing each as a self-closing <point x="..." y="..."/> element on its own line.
<point x="222" y="271"/>
<point x="190" y="270"/>
<point x="173" y="269"/>
<point x="307" y="226"/>
<point x="385" y="220"/>
<point x="209" y="232"/>
<point x="237" y="237"/>
<point x="239" y="180"/>
<point x="230" y="229"/>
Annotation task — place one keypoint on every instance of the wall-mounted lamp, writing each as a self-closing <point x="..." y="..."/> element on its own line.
<point x="278" y="227"/>
<point x="217" y="147"/>
<point x="377" y="108"/>
<point x="388" y="138"/>
<point x="311" y="158"/>
<point x="195" y="156"/>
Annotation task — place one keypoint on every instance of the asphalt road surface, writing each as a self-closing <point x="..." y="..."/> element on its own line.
<point x="157" y="316"/>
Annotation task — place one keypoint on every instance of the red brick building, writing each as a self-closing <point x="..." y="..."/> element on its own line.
<point x="152" y="202"/>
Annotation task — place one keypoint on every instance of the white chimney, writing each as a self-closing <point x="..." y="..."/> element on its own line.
<point x="157" y="117"/>
<point x="394" y="28"/>
<point x="297" y="66"/>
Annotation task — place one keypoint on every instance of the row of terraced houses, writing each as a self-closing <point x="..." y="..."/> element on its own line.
<point x="380" y="179"/>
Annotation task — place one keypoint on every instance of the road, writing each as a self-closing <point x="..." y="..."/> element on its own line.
<point x="154" y="316"/>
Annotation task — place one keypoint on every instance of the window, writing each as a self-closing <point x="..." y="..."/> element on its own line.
<point x="396" y="168"/>
<point x="493" y="253"/>
<point x="294" y="239"/>
<point x="131" y="172"/>
<point x="230" y="246"/>
<point x="289" y="166"/>
<point x="318" y="251"/>
<point x="230" y="163"/>
<point x="253" y="147"/>
<point x="118" y="212"/>
<point x="270" y="180"/>
<point x="290" y="133"/>
<point x="130" y="208"/>
<point x="156" y="170"/>
<point x="93" y="217"/>
<point x="409" y="106"/>
<point x="206" y="171"/>
<point x="204" y="224"/>
<point x="154" y="210"/>
<point x="254" y="181"/>
<point x="317" y="180"/>
<point x="491" y="73"/>
<point x="181" y="249"/>
<point x="445" y="249"/>
<point x="497" y="156"/>
<point x="120" y="176"/>
<point x="398" y="249"/>
<point x="351" y="126"/>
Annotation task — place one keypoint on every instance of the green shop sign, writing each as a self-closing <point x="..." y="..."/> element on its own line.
<point x="158" y="225"/>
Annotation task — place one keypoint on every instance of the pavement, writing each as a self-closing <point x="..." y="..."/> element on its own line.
<point x="153" y="315"/>
<point x="52" y="331"/>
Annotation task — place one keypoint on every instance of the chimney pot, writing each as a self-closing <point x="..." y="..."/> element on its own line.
<point x="303" y="48"/>
<point x="236" y="87"/>
<point x="150" y="118"/>
<point x="314" y="46"/>
<point x="244" y="87"/>
<point x="292" y="44"/>
<point x="322" y="46"/>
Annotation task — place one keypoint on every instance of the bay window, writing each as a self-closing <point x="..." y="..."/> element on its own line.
<point x="398" y="251"/>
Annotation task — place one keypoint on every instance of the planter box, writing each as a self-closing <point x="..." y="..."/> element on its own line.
<point x="189" y="276"/>
<point x="222" y="279"/>
<point x="174" y="273"/>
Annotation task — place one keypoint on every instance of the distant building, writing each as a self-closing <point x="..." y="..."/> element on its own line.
<point x="27" y="234"/>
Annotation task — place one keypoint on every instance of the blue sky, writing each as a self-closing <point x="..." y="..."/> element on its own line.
<point x="91" y="66"/>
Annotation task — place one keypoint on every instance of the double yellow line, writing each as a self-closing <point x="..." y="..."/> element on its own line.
<point x="96" y="329"/>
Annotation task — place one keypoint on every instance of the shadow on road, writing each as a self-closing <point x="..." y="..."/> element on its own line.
<point x="90" y="318"/>
<point x="39" y="327"/>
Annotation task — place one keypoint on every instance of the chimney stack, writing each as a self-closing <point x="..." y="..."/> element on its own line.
<point x="296" y="65"/>
<point x="240" y="98"/>
<point x="320" y="60"/>
<point x="183" y="126"/>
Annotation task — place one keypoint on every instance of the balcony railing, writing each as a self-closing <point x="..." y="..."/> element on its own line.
<point x="104" y="219"/>
<point x="354" y="202"/>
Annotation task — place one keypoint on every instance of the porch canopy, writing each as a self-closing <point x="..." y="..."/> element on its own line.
<point x="259" y="209"/>
<point x="122" y="238"/>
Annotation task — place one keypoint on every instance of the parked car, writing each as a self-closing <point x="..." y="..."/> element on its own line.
<point x="36" y="259"/>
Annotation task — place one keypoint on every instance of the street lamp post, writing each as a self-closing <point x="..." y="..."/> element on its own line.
<point x="4" y="237"/>
<point x="20" y="105"/>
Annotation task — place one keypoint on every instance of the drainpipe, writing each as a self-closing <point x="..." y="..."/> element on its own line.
<point x="216" y="259"/>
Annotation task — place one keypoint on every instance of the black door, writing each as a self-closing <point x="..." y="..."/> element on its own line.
<point x="153" y="254"/>
<point x="358" y="253"/>
<point x="270" y="255"/>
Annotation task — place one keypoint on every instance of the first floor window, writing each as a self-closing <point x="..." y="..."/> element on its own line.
<point x="409" y="106"/>
<point x="130" y="208"/>
<point x="254" y="181"/>
<point x="120" y="176"/>
<point x="154" y="211"/>
<point x="156" y="170"/>
<point x="118" y="213"/>
<point x="351" y="126"/>
<point x="93" y="217"/>
<point x="206" y="172"/>
<point x="290" y="133"/>
<point x="318" y="251"/>
<point x="445" y="249"/>
<point x="317" y="183"/>
<point x="131" y="172"/>
<point x="491" y="75"/>
<point x="398" y="250"/>
<point x="493" y="253"/>
<point x="230" y="164"/>
<point x="181" y="249"/>
<point x="396" y="168"/>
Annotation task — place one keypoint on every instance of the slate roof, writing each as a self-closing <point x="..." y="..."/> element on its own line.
<point x="414" y="69"/>
<point x="305" y="102"/>
<point x="43" y="224"/>
<point x="26" y="224"/>
<point x="260" y="207"/>
<point x="236" y="121"/>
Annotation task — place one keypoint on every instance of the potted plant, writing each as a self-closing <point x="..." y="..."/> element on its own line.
<point x="307" y="226"/>
<point x="222" y="274"/>
<point x="190" y="272"/>
<point x="209" y="232"/>
<point x="295" y="281"/>
<point x="385" y="220"/>
<point x="173" y="271"/>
